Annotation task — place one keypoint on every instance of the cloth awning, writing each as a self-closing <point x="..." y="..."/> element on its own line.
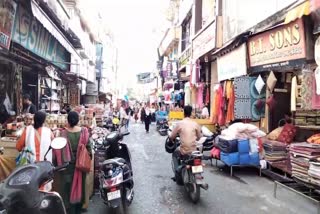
<point x="303" y="9"/>
<point x="40" y="15"/>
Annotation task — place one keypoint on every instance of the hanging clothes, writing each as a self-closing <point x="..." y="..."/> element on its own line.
<point x="315" y="96"/>
<point x="293" y="99"/>
<point x="306" y="90"/>
<point x="215" y="104"/>
<point x="242" y="106"/>
<point x="207" y="97"/>
<point x="187" y="94"/>
<point x="200" y="95"/>
<point x="194" y="96"/>
<point x="231" y="100"/>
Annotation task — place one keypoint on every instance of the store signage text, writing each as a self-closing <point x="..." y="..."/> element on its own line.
<point x="7" y="16"/>
<point x="185" y="57"/>
<point x="233" y="64"/>
<point x="30" y="33"/>
<point x="205" y="41"/>
<point x="277" y="47"/>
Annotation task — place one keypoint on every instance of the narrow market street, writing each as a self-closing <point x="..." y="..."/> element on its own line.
<point x="155" y="192"/>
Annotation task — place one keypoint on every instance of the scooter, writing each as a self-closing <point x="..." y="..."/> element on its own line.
<point x="116" y="176"/>
<point x="190" y="169"/>
<point x="19" y="193"/>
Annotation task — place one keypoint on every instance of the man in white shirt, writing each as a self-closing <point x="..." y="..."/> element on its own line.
<point x="205" y="112"/>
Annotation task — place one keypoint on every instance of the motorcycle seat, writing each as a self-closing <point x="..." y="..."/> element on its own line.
<point x="116" y="161"/>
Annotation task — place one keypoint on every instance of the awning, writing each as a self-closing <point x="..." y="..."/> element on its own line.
<point x="303" y="9"/>
<point x="51" y="27"/>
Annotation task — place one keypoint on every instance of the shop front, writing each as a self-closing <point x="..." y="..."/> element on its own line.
<point x="231" y="96"/>
<point x="284" y="59"/>
<point x="31" y="63"/>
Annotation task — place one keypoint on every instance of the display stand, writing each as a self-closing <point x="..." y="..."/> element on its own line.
<point x="238" y="166"/>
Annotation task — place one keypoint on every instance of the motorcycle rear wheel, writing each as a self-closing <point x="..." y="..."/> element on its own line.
<point x="194" y="192"/>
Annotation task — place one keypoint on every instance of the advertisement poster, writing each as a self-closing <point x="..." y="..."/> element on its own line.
<point x="7" y="16"/>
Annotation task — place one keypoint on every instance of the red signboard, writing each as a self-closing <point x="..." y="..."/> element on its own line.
<point x="7" y="16"/>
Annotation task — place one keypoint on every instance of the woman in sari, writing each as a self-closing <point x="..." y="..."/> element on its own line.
<point x="37" y="139"/>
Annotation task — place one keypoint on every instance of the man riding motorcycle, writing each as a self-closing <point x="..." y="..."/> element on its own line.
<point x="189" y="132"/>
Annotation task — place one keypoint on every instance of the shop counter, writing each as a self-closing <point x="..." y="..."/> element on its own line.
<point x="8" y="159"/>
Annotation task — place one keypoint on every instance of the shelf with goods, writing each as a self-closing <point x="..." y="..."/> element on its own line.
<point x="50" y="94"/>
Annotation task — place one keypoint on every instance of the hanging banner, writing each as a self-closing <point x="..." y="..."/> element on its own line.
<point x="7" y="17"/>
<point x="30" y="33"/>
<point x="281" y="46"/>
<point x="233" y="64"/>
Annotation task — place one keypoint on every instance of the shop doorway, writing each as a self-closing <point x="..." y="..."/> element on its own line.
<point x="280" y="109"/>
<point x="30" y="86"/>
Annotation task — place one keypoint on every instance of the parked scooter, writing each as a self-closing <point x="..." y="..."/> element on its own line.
<point x="190" y="169"/>
<point x="20" y="193"/>
<point x="116" y="181"/>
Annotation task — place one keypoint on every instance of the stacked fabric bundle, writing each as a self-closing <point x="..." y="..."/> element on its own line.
<point x="301" y="154"/>
<point x="275" y="150"/>
<point x="314" y="172"/>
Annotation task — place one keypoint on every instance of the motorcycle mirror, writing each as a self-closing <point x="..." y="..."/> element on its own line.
<point x="58" y="143"/>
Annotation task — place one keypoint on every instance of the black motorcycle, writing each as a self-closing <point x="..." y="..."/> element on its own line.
<point x="190" y="169"/>
<point x="116" y="176"/>
<point x="162" y="127"/>
<point x="19" y="193"/>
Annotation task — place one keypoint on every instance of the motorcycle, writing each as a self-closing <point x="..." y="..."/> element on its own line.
<point x="112" y="124"/>
<point x="19" y="193"/>
<point x="116" y="176"/>
<point x="190" y="169"/>
<point x="162" y="127"/>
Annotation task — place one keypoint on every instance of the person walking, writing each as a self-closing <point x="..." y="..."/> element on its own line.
<point x="147" y="119"/>
<point x="142" y="115"/>
<point x="72" y="180"/>
<point x="38" y="139"/>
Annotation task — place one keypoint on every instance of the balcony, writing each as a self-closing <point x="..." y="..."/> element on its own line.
<point x="170" y="39"/>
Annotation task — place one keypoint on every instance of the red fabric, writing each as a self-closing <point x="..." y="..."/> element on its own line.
<point x="76" y="189"/>
<point x="271" y="102"/>
<point x="207" y="95"/>
<point x="215" y="153"/>
<point x="287" y="134"/>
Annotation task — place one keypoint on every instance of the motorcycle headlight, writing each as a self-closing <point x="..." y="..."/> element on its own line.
<point x="22" y="177"/>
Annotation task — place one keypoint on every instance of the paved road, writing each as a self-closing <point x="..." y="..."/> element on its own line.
<point x="155" y="192"/>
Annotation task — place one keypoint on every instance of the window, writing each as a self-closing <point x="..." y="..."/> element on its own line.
<point x="186" y="30"/>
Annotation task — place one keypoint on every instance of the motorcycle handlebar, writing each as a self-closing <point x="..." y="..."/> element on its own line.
<point x="61" y="167"/>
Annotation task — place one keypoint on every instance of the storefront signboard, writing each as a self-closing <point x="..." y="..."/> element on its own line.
<point x="184" y="59"/>
<point x="233" y="64"/>
<point x="30" y="33"/>
<point x="7" y="16"/>
<point x="282" y="46"/>
<point x="205" y="41"/>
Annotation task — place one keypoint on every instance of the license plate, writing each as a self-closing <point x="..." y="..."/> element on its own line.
<point x="113" y="195"/>
<point x="197" y="169"/>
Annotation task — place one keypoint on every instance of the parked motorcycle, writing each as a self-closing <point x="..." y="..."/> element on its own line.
<point x="20" y="193"/>
<point x="190" y="169"/>
<point x="112" y="123"/>
<point x="116" y="176"/>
